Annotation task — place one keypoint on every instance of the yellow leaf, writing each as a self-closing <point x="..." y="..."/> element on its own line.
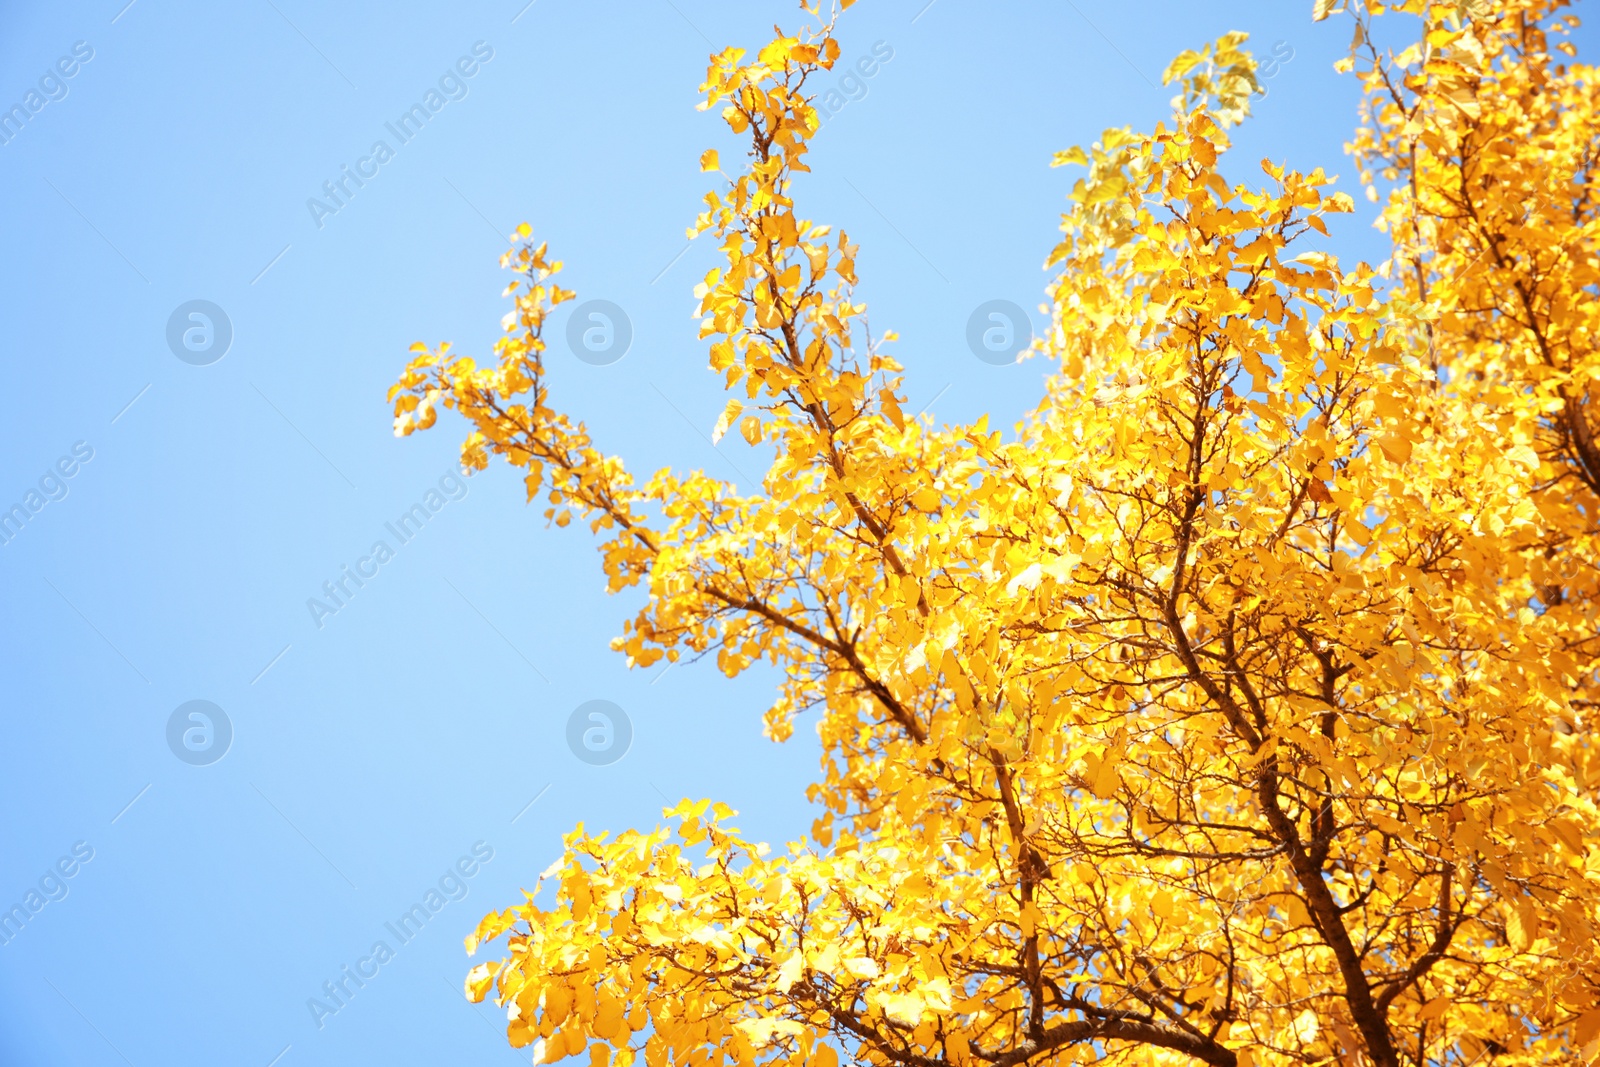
<point x="557" y="1002"/>
<point x="862" y="966"/>
<point x="729" y="413"/>
<point x="608" y="1020"/>
<point x="479" y="979"/>
<point x="1397" y="447"/>
<point x="789" y="971"/>
<point x="1028" y="579"/>
<point x="1186" y="61"/>
<point x="1071" y="156"/>
<point x="1320" y="260"/>
<point x="1522" y="924"/>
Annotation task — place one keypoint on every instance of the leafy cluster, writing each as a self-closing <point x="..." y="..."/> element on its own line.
<point x="1236" y="709"/>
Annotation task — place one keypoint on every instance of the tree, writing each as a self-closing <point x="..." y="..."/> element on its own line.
<point x="1237" y="708"/>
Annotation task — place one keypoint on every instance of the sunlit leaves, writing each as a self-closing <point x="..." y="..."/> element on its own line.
<point x="1235" y="707"/>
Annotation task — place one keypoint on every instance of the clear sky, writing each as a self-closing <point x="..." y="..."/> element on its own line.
<point x="187" y="501"/>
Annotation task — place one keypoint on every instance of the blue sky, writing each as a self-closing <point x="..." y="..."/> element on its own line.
<point x="379" y="752"/>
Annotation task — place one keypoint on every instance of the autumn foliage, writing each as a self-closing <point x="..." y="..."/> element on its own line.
<point x="1236" y="707"/>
